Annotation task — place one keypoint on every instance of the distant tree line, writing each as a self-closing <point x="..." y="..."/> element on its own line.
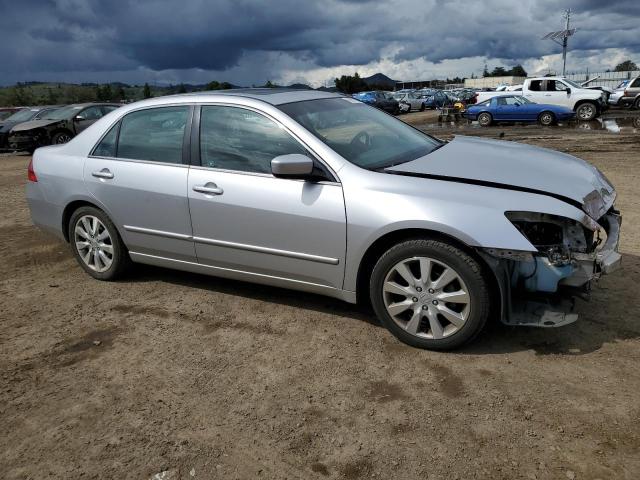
<point x="43" y="93"/>
<point x="354" y="84"/>
<point x="516" y="71"/>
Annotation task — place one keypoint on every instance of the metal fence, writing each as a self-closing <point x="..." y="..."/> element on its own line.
<point x="603" y="79"/>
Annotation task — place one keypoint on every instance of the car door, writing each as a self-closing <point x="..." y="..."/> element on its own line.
<point x="138" y="172"/>
<point x="555" y="93"/>
<point x="247" y="221"/>
<point x="87" y="117"/>
<point x="501" y="109"/>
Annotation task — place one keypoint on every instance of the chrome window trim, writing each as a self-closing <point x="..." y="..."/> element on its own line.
<point x="263" y="175"/>
<point x="119" y="119"/>
<point x="238" y="246"/>
<point x="133" y="160"/>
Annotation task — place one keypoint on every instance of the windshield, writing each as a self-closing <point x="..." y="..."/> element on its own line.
<point x="22" y="115"/>
<point x="63" y="113"/>
<point x="522" y="100"/>
<point x="573" y="84"/>
<point x="363" y="135"/>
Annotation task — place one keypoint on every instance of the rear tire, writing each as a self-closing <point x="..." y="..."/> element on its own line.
<point x="587" y="112"/>
<point x="636" y="104"/>
<point x="415" y="310"/>
<point x="546" y="119"/>
<point x="485" y="119"/>
<point x="96" y="244"/>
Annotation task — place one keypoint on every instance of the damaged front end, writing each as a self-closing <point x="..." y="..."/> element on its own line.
<point x="539" y="288"/>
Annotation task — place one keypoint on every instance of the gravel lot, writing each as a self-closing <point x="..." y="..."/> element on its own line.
<point x="206" y="378"/>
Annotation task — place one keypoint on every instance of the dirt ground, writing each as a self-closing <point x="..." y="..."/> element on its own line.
<point x="181" y="376"/>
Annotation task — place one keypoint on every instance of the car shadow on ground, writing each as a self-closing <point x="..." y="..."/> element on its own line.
<point x="607" y="318"/>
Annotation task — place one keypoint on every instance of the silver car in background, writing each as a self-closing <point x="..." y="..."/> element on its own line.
<point x="319" y="192"/>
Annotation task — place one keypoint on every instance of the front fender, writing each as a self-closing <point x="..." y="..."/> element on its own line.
<point x="378" y="204"/>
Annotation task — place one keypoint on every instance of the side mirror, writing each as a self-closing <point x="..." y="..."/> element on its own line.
<point x="568" y="90"/>
<point x="79" y="118"/>
<point x="293" y="165"/>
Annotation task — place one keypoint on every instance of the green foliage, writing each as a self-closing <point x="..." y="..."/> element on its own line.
<point x="146" y="92"/>
<point x="626" y="66"/>
<point x="215" y="85"/>
<point x="516" y="71"/>
<point x="182" y="88"/>
<point x="352" y="84"/>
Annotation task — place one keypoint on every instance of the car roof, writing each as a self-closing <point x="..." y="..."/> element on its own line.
<point x="274" y="96"/>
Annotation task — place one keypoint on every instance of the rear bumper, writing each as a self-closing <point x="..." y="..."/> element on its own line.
<point x="44" y="215"/>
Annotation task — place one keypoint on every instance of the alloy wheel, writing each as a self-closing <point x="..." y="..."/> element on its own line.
<point x="426" y="297"/>
<point x="63" y="138"/>
<point x="586" y="112"/>
<point x="93" y="243"/>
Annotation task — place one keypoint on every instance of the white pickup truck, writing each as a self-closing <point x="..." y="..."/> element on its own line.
<point x="587" y="103"/>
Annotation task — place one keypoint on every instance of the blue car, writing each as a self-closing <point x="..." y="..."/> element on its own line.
<point x="516" y="108"/>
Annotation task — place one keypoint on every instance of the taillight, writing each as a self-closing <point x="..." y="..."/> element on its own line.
<point x="31" y="174"/>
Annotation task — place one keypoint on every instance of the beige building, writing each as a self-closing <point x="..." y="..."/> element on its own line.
<point x="492" y="82"/>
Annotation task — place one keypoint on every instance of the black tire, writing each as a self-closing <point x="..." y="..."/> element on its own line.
<point x="485" y="119"/>
<point x="586" y="111"/>
<point x="636" y="104"/>
<point x="465" y="266"/>
<point x="546" y="119"/>
<point x="422" y="107"/>
<point x="61" y="137"/>
<point x="120" y="256"/>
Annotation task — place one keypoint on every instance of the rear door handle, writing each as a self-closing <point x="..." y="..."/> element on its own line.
<point x="104" y="173"/>
<point x="208" y="188"/>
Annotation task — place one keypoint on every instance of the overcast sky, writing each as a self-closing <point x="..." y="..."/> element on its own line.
<point x="311" y="41"/>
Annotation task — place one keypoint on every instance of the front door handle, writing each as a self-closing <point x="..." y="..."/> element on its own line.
<point x="104" y="173"/>
<point x="208" y="188"/>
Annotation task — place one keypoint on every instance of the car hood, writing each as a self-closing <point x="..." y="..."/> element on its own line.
<point x="33" y="124"/>
<point x="6" y="126"/>
<point x="516" y="166"/>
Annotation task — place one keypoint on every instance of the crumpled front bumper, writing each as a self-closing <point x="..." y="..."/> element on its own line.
<point x="555" y="308"/>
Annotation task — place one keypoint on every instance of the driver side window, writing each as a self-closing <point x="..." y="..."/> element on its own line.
<point x="233" y="138"/>
<point x="91" y="113"/>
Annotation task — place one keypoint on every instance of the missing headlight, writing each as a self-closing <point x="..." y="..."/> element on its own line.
<point x="553" y="236"/>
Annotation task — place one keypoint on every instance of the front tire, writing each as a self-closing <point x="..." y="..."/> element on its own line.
<point x="430" y="294"/>
<point x="546" y="119"/>
<point x="636" y="104"/>
<point x="485" y="119"/>
<point x="422" y="107"/>
<point x="96" y="244"/>
<point x="60" y="138"/>
<point x="587" y="112"/>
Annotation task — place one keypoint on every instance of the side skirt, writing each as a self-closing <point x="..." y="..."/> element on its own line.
<point x="244" y="276"/>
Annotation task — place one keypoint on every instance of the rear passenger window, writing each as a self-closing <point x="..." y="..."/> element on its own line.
<point x="154" y="134"/>
<point x="535" y="85"/>
<point x="107" y="146"/>
<point x="234" y="138"/>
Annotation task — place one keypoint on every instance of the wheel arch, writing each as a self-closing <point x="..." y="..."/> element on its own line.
<point x="77" y="203"/>
<point x="386" y="241"/>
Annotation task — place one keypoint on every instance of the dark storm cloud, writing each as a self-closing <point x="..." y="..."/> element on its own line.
<point x="123" y="35"/>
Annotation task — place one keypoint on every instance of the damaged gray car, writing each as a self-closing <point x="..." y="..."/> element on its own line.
<point x="322" y="193"/>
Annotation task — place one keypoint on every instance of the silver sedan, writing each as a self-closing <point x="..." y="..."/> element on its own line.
<point x="318" y="192"/>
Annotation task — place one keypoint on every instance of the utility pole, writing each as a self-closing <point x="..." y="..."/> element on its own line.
<point x="565" y="40"/>
<point x="564" y="35"/>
